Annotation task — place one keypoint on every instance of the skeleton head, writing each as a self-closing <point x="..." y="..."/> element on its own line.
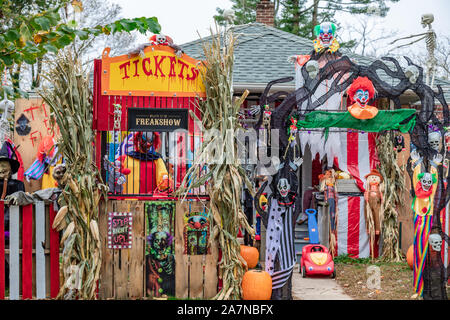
<point x="435" y="240"/>
<point x="5" y="170"/>
<point x="312" y="67"/>
<point x="7" y="106"/>
<point x="434" y="140"/>
<point x="229" y="15"/>
<point x="161" y="39"/>
<point x="283" y="187"/>
<point x="427" y="19"/>
<point x="426" y="181"/>
<point x="412" y="73"/>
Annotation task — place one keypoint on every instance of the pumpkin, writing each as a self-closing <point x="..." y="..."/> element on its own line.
<point x="410" y="256"/>
<point x="256" y="285"/>
<point x="250" y="255"/>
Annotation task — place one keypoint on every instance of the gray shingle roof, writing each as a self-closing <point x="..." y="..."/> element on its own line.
<point x="262" y="51"/>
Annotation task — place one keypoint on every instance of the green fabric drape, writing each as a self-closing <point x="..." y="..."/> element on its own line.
<point x="401" y="119"/>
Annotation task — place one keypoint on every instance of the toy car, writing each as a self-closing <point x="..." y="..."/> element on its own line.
<point x="316" y="260"/>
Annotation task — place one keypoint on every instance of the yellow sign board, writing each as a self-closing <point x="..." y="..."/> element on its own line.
<point x="160" y="73"/>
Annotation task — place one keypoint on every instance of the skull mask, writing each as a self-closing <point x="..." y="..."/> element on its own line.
<point x="283" y="187"/>
<point x="5" y="170"/>
<point x="326" y="33"/>
<point x="434" y="140"/>
<point x="435" y="241"/>
<point x="426" y="181"/>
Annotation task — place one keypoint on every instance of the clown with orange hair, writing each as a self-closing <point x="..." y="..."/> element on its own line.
<point x="360" y="92"/>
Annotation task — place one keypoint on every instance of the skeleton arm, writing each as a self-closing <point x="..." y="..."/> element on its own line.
<point x="409" y="37"/>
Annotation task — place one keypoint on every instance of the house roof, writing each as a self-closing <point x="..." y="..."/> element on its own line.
<point x="262" y="51"/>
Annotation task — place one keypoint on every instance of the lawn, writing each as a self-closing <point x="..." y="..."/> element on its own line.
<point x="395" y="279"/>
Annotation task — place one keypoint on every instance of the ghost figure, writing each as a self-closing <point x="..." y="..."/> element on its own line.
<point x="434" y="140"/>
<point x="435" y="240"/>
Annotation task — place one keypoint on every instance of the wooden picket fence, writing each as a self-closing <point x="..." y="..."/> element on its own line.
<point x="32" y="254"/>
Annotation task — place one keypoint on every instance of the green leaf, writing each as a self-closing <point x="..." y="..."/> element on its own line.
<point x="12" y="35"/>
<point x="7" y="59"/>
<point x="128" y="25"/>
<point x="25" y="31"/>
<point x="43" y="22"/>
<point x="50" y="48"/>
<point x="29" y="58"/>
<point x="64" y="41"/>
<point x="83" y="35"/>
<point x="153" y="25"/>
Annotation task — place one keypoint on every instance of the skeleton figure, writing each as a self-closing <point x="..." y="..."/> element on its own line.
<point x="430" y="39"/>
<point x="7" y="107"/>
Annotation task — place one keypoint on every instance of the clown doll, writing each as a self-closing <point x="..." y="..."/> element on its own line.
<point x="425" y="185"/>
<point x="147" y="170"/>
<point x="372" y="210"/>
<point x="328" y="187"/>
<point x="360" y="92"/>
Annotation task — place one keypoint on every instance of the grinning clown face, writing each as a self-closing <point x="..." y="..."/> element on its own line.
<point x="362" y="97"/>
<point x="325" y="32"/>
<point x="283" y="187"/>
<point x="426" y="181"/>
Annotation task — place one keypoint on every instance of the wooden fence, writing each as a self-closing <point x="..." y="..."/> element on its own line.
<point x="125" y="272"/>
<point x="29" y="263"/>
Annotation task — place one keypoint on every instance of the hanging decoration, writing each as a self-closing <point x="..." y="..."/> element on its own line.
<point x="360" y="92"/>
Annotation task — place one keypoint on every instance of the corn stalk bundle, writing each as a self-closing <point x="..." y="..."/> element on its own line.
<point x="70" y="102"/>
<point x="394" y="186"/>
<point x="224" y="178"/>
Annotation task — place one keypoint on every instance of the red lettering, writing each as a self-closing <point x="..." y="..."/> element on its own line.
<point x="149" y="71"/>
<point x="124" y="67"/>
<point x="32" y="137"/>
<point x="183" y="65"/>
<point x="136" y="74"/>
<point x="158" y="65"/>
<point x="30" y="109"/>
<point x="194" y="74"/>
<point x="173" y="61"/>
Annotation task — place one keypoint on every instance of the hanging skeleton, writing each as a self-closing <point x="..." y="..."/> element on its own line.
<point x="430" y="39"/>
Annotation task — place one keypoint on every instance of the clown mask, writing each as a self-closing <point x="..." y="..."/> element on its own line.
<point x="362" y="97"/>
<point x="373" y="179"/>
<point x="325" y="32"/>
<point x="283" y="187"/>
<point x="426" y="181"/>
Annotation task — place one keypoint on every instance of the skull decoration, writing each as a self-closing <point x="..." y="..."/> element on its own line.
<point x="412" y="73"/>
<point x="5" y="170"/>
<point x="427" y="19"/>
<point x="58" y="174"/>
<point x="434" y="140"/>
<point x="435" y="240"/>
<point x="283" y="187"/>
<point x="426" y="181"/>
<point x="312" y="67"/>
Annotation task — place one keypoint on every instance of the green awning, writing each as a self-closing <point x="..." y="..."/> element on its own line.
<point x="401" y="119"/>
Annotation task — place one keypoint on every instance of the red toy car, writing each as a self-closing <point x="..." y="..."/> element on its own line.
<point x="316" y="260"/>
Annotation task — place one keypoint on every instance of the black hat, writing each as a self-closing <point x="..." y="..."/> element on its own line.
<point x="8" y="153"/>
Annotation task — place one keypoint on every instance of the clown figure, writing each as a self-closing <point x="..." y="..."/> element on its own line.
<point x="374" y="198"/>
<point x="325" y="40"/>
<point x="360" y="92"/>
<point x="425" y="185"/>
<point x="328" y="187"/>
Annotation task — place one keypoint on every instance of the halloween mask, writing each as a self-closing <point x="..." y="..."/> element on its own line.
<point x="373" y="179"/>
<point x="360" y="92"/>
<point x="426" y="181"/>
<point x="325" y="32"/>
<point x="434" y="140"/>
<point x="435" y="240"/>
<point x="5" y="170"/>
<point x="283" y="187"/>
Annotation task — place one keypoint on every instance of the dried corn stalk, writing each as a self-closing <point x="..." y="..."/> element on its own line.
<point x="394" y="187"/>
<point x="224" y="179"/>
<point x="70" y="102"/>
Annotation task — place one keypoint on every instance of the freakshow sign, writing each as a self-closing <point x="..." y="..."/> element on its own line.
<point x="156" y="72"/>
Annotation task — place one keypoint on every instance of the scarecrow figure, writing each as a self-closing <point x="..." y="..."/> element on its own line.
<point x="425" y="185"/>
<point x="360" y="92"/>
<point x="284" y="206"/>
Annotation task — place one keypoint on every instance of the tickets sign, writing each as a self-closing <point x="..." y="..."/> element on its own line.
<point x="160" y="73"/>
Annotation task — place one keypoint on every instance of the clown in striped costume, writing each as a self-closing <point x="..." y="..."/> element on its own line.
<point x="425" y="184"/>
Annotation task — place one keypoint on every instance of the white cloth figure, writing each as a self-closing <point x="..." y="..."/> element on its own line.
<point x="280" y="243"/>
<point x="316" y="139"/>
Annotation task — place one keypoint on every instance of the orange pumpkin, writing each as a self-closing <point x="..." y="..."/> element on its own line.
<point x="410" y="256"/>
<point x="250" y="255"/>
<point x="256" y="285"/>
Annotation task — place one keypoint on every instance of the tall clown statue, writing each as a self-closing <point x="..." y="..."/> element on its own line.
<point x="425" y="185"/>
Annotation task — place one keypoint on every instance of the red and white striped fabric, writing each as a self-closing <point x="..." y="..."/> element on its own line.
<point x="357" y="157"/>
<point x="352" y="238"/>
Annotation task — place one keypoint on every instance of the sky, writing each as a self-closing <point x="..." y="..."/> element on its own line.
<point x="184" y="20"/>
